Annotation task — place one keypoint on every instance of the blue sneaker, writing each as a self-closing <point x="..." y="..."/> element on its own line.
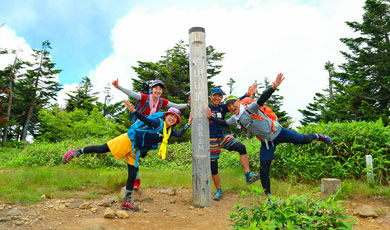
<point x="324" y="138"/>
<point x="251" y="177"/>
<point x="218" y="195"/>
<point x="269" y="200"/>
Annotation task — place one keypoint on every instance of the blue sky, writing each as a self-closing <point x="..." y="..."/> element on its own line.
<point x="79" y="31"/>
<point x="103" y="39"/>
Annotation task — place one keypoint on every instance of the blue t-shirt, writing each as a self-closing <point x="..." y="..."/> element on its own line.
<point x="219" y="112"/>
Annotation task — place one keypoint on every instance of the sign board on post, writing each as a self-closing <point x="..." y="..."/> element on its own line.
<point x="369" y="165"/>
<point x="201" y="186"/>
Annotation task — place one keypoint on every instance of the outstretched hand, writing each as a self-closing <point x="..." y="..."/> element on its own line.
<point x="251" y="90"/>
<point x="115" y="83"/>
<point x="278" y="81"/>
<point x="189" y="120"/>
<point x="208" y="113"/>
<point x="129" y="106"/>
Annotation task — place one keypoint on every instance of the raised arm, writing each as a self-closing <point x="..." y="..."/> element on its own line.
<point x="130" y="93"/>
<point x="183" y="130"/>
<point x="178" y="106"/>
<point x="149" y="122"/>
<point x="267" y="94"/>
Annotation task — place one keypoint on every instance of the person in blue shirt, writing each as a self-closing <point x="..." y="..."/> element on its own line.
<point x="137" y="142"/>
<point x="219" y="139"/>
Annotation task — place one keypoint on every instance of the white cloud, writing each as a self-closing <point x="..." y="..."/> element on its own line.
<point x="260" y="39"/>
<point x="10" y="41"/>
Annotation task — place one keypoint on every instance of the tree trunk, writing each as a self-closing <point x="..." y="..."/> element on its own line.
<point x="11" y="77"/>
<point x="32" y="104"/>
<point x="29" y="114"/>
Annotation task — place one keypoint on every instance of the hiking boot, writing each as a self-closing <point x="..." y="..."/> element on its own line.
<point x="251" y="178"/>
<point x="218" y="195"/>
<point x="128" y="205"/>
<point x="69" y="156"/>
<point x="137" y="183"/>
<point x="324" y="138"/>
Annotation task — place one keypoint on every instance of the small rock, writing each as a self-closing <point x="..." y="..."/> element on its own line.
<point x="75" y="203"/>
<point x="84" y="205"/>
<point x="122" y="214"/>
<point x="3" y="219"/>
<point x="200" y="214"/>
<point x="146" y="210"/>
<point x="44" y="196"/>
<point x="77" y="215"/>
<point x="109" y="200"/>
<point x="62" y="206"/>
<point x="50" y="206"/>
<point x="109" y="213"/>
<point x="18" y="223"/>
<point x="366" y="211"/>
<point x="169" y="191"/>
<point x="106" y="202"/>
<point x="94" y="210"/>
<point x="14" y="212"/>
<point x="191" y="207"/>
<point x="93" y="227"/>
<point x="164" y="210"/>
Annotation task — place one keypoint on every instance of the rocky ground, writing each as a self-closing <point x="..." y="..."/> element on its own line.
<point x="159" y="209"/>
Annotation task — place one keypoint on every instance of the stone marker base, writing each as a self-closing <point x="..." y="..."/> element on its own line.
<point x="330" y="185"/>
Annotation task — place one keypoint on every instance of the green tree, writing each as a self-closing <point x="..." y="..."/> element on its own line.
<point x="365" y="77"/>
<point x="40" y="87"/>
<point x="361" y="89"/>
<point x="8" y="76"/>
<point x="82" y="98"/>
<point x="230" y="84"/>
<point x="173" y="69"/>
<point x="57" y="124"/>
<point x="111" y="111"/>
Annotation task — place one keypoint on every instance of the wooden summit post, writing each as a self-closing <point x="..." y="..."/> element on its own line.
<point x="201" y="186"/>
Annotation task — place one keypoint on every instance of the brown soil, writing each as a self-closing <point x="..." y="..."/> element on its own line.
<point x="157" y="211"/>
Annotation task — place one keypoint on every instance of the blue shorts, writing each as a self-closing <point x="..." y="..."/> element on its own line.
<point x="285" y="136"/>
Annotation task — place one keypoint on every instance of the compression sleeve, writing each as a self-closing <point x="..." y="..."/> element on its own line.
<point x="149" y="122"/>
<point x="265" y="96"/>
<point x="219" y="122"/>
<point x="130" y="93"/>
<point x="181" y="132"/>
<point x="177" y="106"/>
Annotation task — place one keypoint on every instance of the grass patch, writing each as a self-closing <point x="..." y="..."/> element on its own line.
<point x="27" y="185"/>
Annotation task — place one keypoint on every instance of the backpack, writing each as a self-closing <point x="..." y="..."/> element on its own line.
<point x="139" y="127"/>
<point x="145" y="90"/>
<point x="266" y="110"/>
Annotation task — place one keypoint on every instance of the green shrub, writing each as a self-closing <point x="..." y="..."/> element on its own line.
<point x="300" y="212"/>
<point x="56" y="124"/>
<point x="344" y="159"/>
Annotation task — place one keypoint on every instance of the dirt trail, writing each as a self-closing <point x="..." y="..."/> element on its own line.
<point x="157" y="211"/>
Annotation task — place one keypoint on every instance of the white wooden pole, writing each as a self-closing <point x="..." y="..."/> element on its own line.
<point x="201" y="186"/>
<point x="369" y="165"/>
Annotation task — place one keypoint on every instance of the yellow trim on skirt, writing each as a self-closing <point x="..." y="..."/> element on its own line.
<point x="121" y="147"/>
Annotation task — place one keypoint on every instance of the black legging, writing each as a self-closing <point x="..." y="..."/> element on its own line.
<point x="265" y="165"/>
<point x="96" y="149"/>
<point x="131" y="174"/>
<point x="237" y="146"/>
<point x="131" y="170"/>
